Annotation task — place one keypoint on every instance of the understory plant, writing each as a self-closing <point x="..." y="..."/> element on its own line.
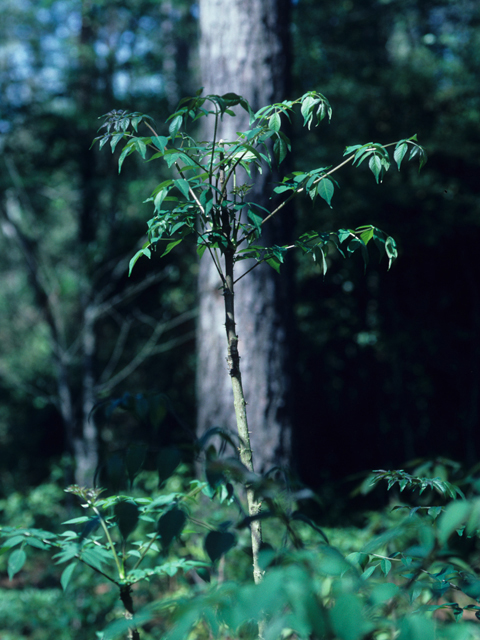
<point x="207" y="199"/>
<point x="304" y="586"/>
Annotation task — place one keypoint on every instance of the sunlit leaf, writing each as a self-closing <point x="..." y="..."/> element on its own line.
<point x="375" y="165"/>
<point x="399" y="153"/>
<point x="275" y="122"/>
<point x="67" y="574"/>
<point x="174" y="126"/>
<point x="325" y="190"/>
<point x="142" y="252"/>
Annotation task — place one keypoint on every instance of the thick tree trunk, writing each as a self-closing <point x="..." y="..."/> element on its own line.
<point x="244" y="47"/>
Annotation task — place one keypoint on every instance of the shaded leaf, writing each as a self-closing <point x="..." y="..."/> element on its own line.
<point x="168" y="460"/>
<point x="217" y="543"/>
<point x="134" y="460"/>
<point x="126" y="514"/>
<point x="170" y="526"/>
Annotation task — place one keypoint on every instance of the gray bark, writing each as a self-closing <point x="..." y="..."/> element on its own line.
<point x="244" y="47"/>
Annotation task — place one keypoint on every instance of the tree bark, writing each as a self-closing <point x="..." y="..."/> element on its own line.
<point x="244" y="49"/>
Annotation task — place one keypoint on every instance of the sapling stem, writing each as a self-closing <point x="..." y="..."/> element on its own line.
<point x="121" y="571"/>
<point x="233" y="361"/>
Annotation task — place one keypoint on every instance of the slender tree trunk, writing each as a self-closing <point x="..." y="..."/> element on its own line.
<point x="244" y="46"/>
<point x="86" y="443"/>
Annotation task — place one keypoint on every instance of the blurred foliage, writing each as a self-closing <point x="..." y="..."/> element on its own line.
<point x="394" y="357"/>
<point x="63" y="64"/>
<point x="367" y="579"/>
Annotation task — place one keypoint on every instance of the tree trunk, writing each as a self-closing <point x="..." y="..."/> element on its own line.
<point x="244" y="49"/>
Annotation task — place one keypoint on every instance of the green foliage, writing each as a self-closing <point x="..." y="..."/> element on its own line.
<point x="389" y="587"/>
<point x="208" y="200"/>
<point x="405" y="480"/>
<point x="407" y="574"/>
<point x="130" y="539"/>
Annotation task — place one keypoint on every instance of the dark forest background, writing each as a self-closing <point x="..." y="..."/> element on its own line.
<point x="386" y="364"/>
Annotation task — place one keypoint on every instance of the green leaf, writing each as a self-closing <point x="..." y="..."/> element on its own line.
<point x="183" y="186"/>
<point x="325" y="190"/>
<point x="307" y="104"/>
<point x="35" y="542"/>
<point x="127" y="150"/>
<point x="391" y="250"/>
<point x="67" y="574"/>
<point x="343" y="234"/>
<point x="90" y="526"/>
<point x="13" y="541"/>
<point x="160" y="142"/>
<point x="275" y="122"/>
<point x="399" y="153"/>
<point x="434" y="512"/>
<point x="126" y="514"/>
<point x="97" y="557"/>
<point x="141" y="147"/>
<point x="159" y="198"/>
<point x="143" y="252"/>
<point x="282" y="188"/>
<point x="217" y="543"/>
<point x="367" y="234"/>
<point x="80" y="520"/>
<point x="375" y="165"/>
<point x="280" y="151"/>
<point x="454" y="515"/>
<point x="171" y="245"/>
<point x="274" y="263"/>
<point x="368" y="572"/>
<point x="170" y="526"/>
<point x="256" y="220"/>
<point x="385" y="565"/>
<point x="351" y="149"/>
<point x="114" y="140"/>
<point x="16" y="561"/>
<point x="423" y="158"/>
<point x="175" y="125"/>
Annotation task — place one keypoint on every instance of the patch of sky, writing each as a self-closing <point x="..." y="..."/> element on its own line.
<point x="147" y="24"/>
<point x="123" y="53"/>
<point x="101" y="49"/>
<point x="124" y="85"/>
<point x="50" y="80"/>
<point x="195" y="11"/>
<point x="18" y="93"/>
<point x="121" y="84"/>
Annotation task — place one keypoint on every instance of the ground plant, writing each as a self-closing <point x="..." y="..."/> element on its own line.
<point x="304" y="585"/>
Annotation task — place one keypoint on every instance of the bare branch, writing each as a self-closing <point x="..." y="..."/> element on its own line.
<point x="150" y="348"/>
<point x="117" y="351"/>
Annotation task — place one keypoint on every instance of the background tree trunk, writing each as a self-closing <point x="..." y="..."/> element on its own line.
<point x="244" y="49"/>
